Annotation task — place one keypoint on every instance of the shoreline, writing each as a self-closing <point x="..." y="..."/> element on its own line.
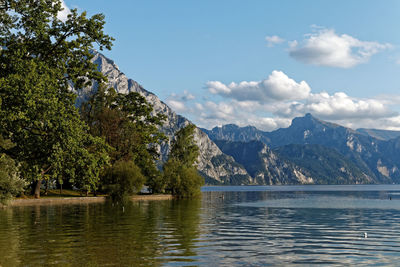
<point x="78" y="200"/>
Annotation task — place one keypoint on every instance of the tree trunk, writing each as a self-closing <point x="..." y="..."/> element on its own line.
<point x="37" y="185"/>
<point x="47" y="188"/>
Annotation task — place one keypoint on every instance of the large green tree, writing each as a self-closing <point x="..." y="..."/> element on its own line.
<point x="41" y="58"/>
<point x="129" y="125"/>
<point x="180" y="174"/>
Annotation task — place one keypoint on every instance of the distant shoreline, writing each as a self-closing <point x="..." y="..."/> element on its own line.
<point x="79" y="200"/>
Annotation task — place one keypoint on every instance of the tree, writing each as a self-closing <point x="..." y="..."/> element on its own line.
<point x="180" y="174"/>
<point x="128" y="124"/>
<point x="123" y="179"/>
<point x="41" y="58"/>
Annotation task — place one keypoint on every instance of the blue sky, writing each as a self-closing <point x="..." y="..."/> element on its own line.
<point x="338" y="60"/>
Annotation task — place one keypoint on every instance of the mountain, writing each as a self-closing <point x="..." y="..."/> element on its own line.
<point x="368" y="153"/>
<point x="363" y="156"/>
<point x="380" y="134"/>
<point x="294" y="164"/>
<point x="213" y="164"/>
<point x="378" y="159"/>
<point x="264" y="165"/>
<point x="325" y="165"/>
<point x="232" y="132"/>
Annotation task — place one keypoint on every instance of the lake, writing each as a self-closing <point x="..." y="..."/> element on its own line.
<point x="229" y="226"/>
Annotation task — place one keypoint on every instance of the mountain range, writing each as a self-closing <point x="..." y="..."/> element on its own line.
<point x="309" y="151"/>
<point x="214" y="165"/>
<point x="348" y="156"/>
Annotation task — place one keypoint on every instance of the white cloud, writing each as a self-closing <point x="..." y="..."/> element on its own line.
<point x="63" y="14"/>
<point x="176" y="105"/>
<point x="241" y="105"/>
<point x="278" y="86"/>
<point x="221" y="113"/>
<point x="186" y="96"/>
<point x="178" y="102"/>
<point x="326" y="48"/>
<point x="338" y="106"/>
<point x="273" y="40"/>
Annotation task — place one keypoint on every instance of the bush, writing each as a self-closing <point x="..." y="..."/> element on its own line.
<point x="182" y="181"/>
<point x="11" y="184"/>
<point x="192" y="182"/>
<point x="123" y="179"/>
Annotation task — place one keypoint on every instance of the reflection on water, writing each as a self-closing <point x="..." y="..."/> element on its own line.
<point x="143" y="233"/>
<point x="225" y="228"/>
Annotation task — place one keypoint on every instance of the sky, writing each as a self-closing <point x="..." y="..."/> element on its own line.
<point x="261" y="62"/>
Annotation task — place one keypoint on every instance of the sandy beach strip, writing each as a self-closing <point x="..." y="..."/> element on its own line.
<point x="79" y="200"/>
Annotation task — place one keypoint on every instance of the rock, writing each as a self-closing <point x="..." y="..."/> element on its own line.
<point x="214" y="165"/>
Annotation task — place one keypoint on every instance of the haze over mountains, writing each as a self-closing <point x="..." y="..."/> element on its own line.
<point x="310" y="151"/>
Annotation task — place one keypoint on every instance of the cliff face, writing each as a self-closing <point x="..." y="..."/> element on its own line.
<point x="252" y="156"/>
<point x="365" y="158"/>
<point x="266" y="166"/>
<point x="213" y="164"/>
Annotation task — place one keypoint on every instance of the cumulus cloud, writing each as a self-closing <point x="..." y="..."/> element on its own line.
<point x="273" y="40"/>
<point x="184" y="97"/>
<point x="63" y="14"/>
<point x="278" y="86"/>
<point x="176" y="105"/>
<point x="240" y="104"/>
<point x="326" y="48"/>
<point x="178" y="102"/>
<point x="338" y="106"/>
<point x="220" y="113"/>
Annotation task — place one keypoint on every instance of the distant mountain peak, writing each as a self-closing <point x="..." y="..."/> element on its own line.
<point x="307" y="121"/>
<point x="230" y="126"/>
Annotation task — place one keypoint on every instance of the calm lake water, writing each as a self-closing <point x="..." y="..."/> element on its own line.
<point x="229" y="226"/>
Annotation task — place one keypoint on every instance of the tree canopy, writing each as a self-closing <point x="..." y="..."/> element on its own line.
<point x="112" y="140"/>
<point x="41" y="59"/>
<point x="127" y="123"/>
<point x="180" y="174"/>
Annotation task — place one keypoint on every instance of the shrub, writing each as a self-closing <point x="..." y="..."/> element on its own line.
<point x="11" y="183"/>
<point x="123" y="179"/>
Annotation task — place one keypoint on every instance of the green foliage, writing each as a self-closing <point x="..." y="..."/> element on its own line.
<point x="181" y="177"/>
<point x="41" y="57"/>
<point x="127" y="124"/>
<point x="123" y="179"/>
<point x="184" y="148"/>
<point x="11" y="184"/>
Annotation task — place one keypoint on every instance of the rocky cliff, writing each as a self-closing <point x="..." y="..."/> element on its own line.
<point x="377" y="159"/>
<point x="213" y="164"/>
<point x="266" y="166"/>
